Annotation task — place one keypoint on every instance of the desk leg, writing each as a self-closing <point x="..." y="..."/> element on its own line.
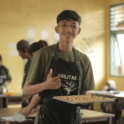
<point x="1" y="103"/>
<point x="92" y="106"/>
<point x="5" y="102"/>
<point x="7" y="122"/>
<point x="110" y="120"/>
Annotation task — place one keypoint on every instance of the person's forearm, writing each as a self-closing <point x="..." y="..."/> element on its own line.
<point x="35" y="100"/>
<point x="50" y="83"/>
<point x="31" y="89"/>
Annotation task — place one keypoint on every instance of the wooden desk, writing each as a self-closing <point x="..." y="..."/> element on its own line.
<point x="107" y="94"/>
<point x="88" y="116"/>
<point x="15" y="98"/>
<point x="119" y="102"/>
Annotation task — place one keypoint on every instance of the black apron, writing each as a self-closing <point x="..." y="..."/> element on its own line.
<point x="57" y="112"/>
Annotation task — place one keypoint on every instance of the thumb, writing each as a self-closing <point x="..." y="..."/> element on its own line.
<point x="50" y="73"/>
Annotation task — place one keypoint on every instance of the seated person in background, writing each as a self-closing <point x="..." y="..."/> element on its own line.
<point x="33" y="106"/>
<point x="5" y="77"/>
<point x="110" y="85"/>
<point x="110" y="107"/>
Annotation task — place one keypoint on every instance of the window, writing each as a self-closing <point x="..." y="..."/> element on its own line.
<point x="117" y="40"/>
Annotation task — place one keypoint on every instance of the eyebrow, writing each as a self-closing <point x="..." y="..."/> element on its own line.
<point x="66" y="22"/>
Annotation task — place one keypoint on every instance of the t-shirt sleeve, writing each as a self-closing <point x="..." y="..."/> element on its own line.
<point x="26" y="69"/>
<point x="88" y="78"/>
<point x="36" y="69"/>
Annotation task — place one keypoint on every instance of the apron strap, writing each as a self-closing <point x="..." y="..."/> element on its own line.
<point x="80" y="75"/>
<point x="56" y="52"/>
<point x="80" y="70"/>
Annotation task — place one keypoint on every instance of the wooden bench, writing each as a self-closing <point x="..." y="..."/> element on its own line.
<point x="89" y="116"/>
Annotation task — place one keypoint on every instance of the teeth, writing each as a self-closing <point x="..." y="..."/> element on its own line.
<point x="67" y="35"/>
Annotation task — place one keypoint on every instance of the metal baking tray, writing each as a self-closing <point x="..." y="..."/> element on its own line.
<point x="105" y="99"/>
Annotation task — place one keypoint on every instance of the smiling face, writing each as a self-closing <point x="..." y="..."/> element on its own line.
<point x="67" y="31"/>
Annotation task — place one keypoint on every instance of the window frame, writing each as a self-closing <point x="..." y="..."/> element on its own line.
<point x="113" y="34"/>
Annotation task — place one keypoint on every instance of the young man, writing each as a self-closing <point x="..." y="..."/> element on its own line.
<point x="5" y="77"/>
<point x="62" y="70"/>
<point x="22" y="47"/>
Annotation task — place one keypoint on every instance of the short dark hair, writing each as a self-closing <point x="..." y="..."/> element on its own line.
<point x="69" y="14"/>
<point x="23" y="45"/>
<point x="0" y="57"/>
<point x="42" y="43"/>
<point x="36" y="46"/>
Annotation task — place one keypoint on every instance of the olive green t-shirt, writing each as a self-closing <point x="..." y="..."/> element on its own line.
<point x="40" y="66"/>
<point x="26" y="69"/>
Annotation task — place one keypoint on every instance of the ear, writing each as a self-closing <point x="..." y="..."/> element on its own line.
<point x="79" y="30"/>
<point x="26" y="51"/>
<point x="56" y="29"/>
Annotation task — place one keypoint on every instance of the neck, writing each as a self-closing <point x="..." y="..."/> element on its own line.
<point x="65" y="46"/>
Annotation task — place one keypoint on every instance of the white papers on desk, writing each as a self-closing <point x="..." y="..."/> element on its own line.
<point x="10" y="118"/>
<point x="119" y="95"/>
